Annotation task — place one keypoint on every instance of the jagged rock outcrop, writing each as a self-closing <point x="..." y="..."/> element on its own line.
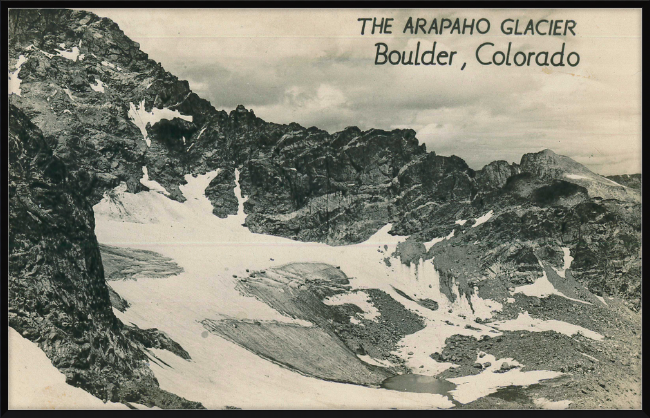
<point x="529" y="216"/>
<point x="494" y="175"/>
<point x="57" y="294"/>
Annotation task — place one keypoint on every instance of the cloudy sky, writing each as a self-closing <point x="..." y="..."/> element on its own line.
<point x="314" y="67"/>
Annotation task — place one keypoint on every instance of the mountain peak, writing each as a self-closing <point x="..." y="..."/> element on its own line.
<point x="547" y="151"/>
<point x="548" y="165"/>
<point x="240" y="113"/>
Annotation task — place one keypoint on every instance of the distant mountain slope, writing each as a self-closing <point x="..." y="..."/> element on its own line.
<point x="633" y="181"/>
<point x="549" y="166"/>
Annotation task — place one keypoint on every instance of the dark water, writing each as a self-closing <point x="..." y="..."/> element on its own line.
<point x="514" y="394"/>
<point x="418" y="384"/>
<point x="511" y="394"/>
<point x="427" y="384"/>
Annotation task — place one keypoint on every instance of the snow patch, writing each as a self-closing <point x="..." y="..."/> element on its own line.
<point x="107" y="64"/>
<point x="33" y="48"/>
<point x="98" y="86"/>
<point x="567" y="262"/>
<point x="483" y="308"/>
<point x="590" y="357"/>
<point x="525" y="322"/>
<point x="37" y="384"/>
<point x="151" y="184"/>
<point x="241" y="216"/>
<point x="69" y="93"/>
<point x="359" y="298"/>
<point x="14" y="81"/>
<point x="542" y="288"/>
<point x="547" y="404"/>
<point x="382" y="237"/>
<point x="434" y="241"/>
<point x="615" y="183"/>
<point x="473" y="387"/>
<point x="576" y="177"/>
<point x="461" y="222"/>
<point x="375" y="362"/>
<point x="153" y="207"/>
<point x="482" y="219"/>
<point x="457" y="318"/>
<point x="428" y="245"/>
<point x="194" y="192"/>
<point x="600" y="298"/>
<point x="141" y="118"/>
<point x="70" y="55"/>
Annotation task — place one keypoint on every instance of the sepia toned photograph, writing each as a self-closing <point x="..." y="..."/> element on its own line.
<point x="324" y="208"/>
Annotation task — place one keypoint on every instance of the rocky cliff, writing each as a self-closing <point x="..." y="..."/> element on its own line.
<point x="57" y="294"/>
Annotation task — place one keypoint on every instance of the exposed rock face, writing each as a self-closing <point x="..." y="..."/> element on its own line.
<point x="96" y="133"/>
<point x="57" y="294"/>
<point x="494" y="175"/>
<point x="339" y="189"/>
<point x="604" y="237"/>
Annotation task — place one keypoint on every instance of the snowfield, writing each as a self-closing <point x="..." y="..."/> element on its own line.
<point x="212" y="251"/>
<point x="98" y="86"/>
<point x="482" y="219"/>
<point x="37" y="384"/>
<point x="542" y="287"/>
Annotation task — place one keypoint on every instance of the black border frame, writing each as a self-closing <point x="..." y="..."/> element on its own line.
<point x="422" y="4"/>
